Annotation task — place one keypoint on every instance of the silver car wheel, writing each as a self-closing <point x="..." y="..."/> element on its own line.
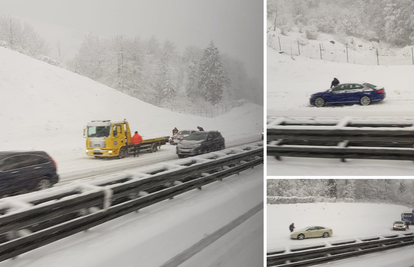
<point x="319" y="102"/>
<point x="325" y="235"/>
<point x="365" y="100"/>
<point x="43" y="184"/>
<point x="301" y="237"/>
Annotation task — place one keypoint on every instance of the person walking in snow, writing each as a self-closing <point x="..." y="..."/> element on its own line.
<point x="335" y="82"/>
<point x="291" y="227"/>
<point x="407" y="224"/>
<point x="136" y="142"/>
<point x="200" y="128"/>
<point x="175" y="131"/>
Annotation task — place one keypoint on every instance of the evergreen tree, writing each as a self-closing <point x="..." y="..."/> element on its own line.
<point x="192" y="89"/>
<point x="213" y="76"/>
<point x="331" y="188"/>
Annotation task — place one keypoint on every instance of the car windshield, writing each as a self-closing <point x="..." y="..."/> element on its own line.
<point x="398" y="222"/>
<point x="370" y="85"/>
<point x="99" y="131"/>
<point x="197" y="136"/>
<point x="183" y="132"/>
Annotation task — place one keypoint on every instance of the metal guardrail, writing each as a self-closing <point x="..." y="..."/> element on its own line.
<point x="338" y="250"/>
<point x="33" y="220"/>
<point x="358" y="138"/>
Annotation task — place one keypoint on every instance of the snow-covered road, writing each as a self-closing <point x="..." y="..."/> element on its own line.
<point x="158" y="233"/>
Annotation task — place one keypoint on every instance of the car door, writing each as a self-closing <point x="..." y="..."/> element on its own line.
<point x="338" y="94"/>
<point x="209" y="142"/>
<point x="312" y="232"/>
<point x="354" y="93"/>
<point x="14" y="174"/>
<point x="30" y="169"/>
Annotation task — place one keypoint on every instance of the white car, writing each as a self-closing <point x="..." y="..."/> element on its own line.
<point x="175" y="139"/>
<point x="312" y="231"/>
<point x="399" y="225"/>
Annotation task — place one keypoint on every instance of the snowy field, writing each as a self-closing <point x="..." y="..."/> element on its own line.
<point x="45" y="108"/>
<point x="158" y="233"/>
<point x="347" y="220"/>
<point x="291" y="81"/>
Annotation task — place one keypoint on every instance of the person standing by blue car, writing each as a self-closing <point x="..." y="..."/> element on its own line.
<point x="335" y="82"/>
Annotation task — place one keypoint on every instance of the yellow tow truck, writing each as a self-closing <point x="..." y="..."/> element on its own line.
<point x="105" y="138"/>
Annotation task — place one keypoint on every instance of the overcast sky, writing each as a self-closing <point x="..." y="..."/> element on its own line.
<point x="235" y="26"/>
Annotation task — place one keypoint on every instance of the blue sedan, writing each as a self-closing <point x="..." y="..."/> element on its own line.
<point x="349" y="93"/>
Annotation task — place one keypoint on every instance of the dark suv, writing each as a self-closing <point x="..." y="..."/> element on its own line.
<point x="26" y="171"/>
<point x="200" y="143"/>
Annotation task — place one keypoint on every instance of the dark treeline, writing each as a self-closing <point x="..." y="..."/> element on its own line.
<point x="387" y="190"/>
<point x="389" y="20"/>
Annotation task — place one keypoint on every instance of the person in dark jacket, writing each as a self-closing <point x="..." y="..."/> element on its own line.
<point x="136" y="141"/>
<point x="175" y="131"/>
<point x="200" y="128"/>
<point x="335" y="82"/>
<point x="407" y="224"/>
<point x="291" y="227"/>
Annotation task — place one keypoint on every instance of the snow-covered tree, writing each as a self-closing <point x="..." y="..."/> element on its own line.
<point x="331" y="188"/>
<point x="213" y="76"/>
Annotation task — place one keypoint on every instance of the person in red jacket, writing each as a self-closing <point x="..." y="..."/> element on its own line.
<point x="136" y="142"/>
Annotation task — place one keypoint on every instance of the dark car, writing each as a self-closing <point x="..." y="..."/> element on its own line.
<point x="26" y="171"/>
<point x="349" y="93"/>
<point x="200" y="142"/>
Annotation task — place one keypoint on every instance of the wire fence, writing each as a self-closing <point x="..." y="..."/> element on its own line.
<point x="210" y="112"/>
<point x="356" y="52"/>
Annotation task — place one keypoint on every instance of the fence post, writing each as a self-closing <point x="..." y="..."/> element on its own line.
<point x="377" y="57"/>
<point x="412" y="56"/>
<point x="320" y="50"/>
<point x="347" y="61"/>
<point x="280" y="47"/>
<point x="298" y="48"/>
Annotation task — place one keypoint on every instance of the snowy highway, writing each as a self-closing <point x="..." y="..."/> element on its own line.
<point x="72" y="169"/>
<point x="157" y="234"/>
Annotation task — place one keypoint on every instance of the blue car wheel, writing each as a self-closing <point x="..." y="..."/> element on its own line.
<point x="319" y="102"/>
<point x="365" y="100"/>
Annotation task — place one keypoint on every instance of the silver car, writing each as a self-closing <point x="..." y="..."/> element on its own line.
<point x="399" y="225"/>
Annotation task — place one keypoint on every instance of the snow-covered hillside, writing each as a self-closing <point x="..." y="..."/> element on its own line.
<point x="46" y="107"/>
<point x="292" y="79"/>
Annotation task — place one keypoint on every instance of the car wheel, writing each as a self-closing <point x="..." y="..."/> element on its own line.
<point x="122" y="153"/>
<point x="44" y="183"/>
<point x="154" y="148"/>
<point x="319" y="102"/>
<point x="301" y="236"/>
<point x="365" y="100"/>
<point x="325" y="235"/>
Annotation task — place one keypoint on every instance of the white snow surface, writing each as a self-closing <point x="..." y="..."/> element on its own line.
<point x="46" y="107"/>
<point x="292" y="80"/>
<point x="348" y="221"/>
